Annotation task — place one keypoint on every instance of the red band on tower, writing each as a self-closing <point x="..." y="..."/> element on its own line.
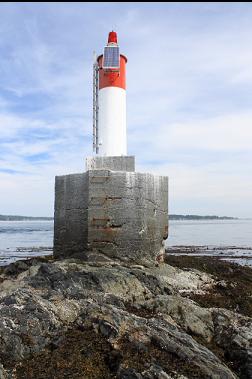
<point x="112" y="78"/>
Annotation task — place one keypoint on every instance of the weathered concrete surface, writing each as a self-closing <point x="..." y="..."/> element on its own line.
<point x="116" y="215"/>
<point x="110" y="321"/>
<point x="71" y="214"/>
<point x="120" y="163"/>
<point x="127" y="215"/>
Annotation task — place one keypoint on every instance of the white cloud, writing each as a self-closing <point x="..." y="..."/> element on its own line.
<point x="231" y="132"/>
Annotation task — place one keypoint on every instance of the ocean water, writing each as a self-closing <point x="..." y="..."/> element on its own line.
<point x="228" y="239"/>
<point x="232" y="239"/>
<point x="211" y="232"/>
<point x="24" y="239"/>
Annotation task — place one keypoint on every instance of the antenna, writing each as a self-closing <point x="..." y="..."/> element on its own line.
<point x="95" y="104"/>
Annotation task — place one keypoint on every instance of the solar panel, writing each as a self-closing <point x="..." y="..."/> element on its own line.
<point x="111" y="57"/>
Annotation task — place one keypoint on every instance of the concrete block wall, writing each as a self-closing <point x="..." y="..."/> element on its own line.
<point x="121" y="163"/>
<point x="70" y="214"/>
<point x="127" y="215"/>
<point x="117" y="215"/>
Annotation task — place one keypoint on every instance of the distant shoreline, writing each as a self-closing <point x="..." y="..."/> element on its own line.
<point x="171" y="217"/>
<point x="197" y="217"/>
<point x="24" y="218"/>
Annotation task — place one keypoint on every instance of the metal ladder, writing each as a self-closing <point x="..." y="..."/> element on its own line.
<point x="95" y="105"/>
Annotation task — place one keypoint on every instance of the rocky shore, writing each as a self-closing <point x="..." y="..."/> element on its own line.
<point x="189" y="317"/>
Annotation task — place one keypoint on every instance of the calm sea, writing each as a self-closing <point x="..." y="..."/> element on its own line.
<point x="213" y="232"/>
<point x="21" y="239"/>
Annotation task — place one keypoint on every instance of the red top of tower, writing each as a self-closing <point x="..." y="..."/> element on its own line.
<point x="112" y="37"/>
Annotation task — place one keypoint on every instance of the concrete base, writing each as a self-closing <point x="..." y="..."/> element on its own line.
<point x="121" y="163"/>
<point x="111" y="215"/>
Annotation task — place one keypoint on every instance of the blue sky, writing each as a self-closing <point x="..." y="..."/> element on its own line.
<point x="189" y="99"/>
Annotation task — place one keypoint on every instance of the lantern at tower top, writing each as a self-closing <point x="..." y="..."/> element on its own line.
<point x="112" y="37"/>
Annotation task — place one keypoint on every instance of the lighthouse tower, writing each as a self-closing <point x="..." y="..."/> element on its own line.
<point x="109" y="121"/>
<point x="110" y="213"/>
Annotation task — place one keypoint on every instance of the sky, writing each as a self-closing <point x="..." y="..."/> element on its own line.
<point x="189" y="99"/>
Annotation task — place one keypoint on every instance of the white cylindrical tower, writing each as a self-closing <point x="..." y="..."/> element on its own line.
<point x="111" y="128"/>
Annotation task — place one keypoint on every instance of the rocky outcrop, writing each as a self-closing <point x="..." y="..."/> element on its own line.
<point x="76" y="320"/>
